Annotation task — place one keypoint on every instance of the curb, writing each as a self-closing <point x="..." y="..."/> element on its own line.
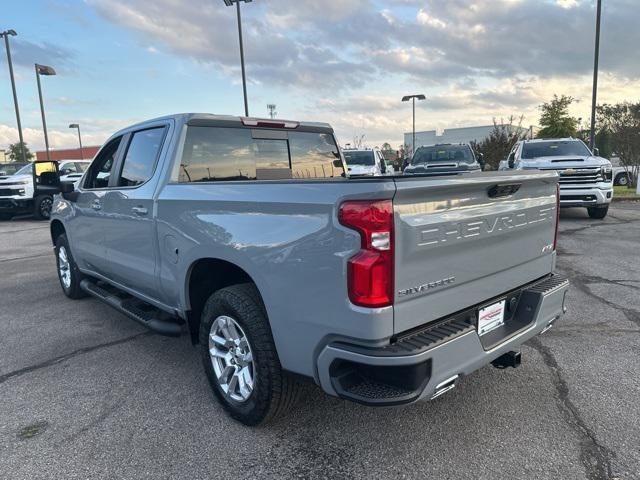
<point x="630" y="198"/>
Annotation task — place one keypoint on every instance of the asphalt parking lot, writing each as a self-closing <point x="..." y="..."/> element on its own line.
<point x="86" y="393"/>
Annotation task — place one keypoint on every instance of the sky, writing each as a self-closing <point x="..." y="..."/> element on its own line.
<point x="344" y="62"/>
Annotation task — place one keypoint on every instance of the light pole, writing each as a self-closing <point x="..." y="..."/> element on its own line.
<point x="592" y="135"/>
<point x="230" y="3"/>
<point x="43" y="70"/>
<point x="6" y="35"/>
<point x="406" y="98"/>
<point x="77" y="126"/>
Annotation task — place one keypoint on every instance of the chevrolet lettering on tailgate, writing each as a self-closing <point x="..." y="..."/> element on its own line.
<point x="485" y="227"/>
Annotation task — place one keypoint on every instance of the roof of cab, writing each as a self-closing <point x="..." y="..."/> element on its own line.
<point x="226" y="120"/>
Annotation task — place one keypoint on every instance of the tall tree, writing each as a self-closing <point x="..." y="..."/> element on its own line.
<point x="498" y="144"/>
<point x="555" y="120"/>
<point x="15" y="152"/>
<point x="622" y="123"/>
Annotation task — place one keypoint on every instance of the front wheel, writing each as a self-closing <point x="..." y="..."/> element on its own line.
<point x="42" y="207"/>
<point x="598" y="212"/>
<point x="240" y="358"/>
<point x="68" y="272"/>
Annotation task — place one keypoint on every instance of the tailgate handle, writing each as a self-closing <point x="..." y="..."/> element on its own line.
<point x="504" y="190"/>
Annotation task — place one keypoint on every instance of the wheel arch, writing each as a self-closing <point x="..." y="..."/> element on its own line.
<point x="56" y="228"/>
<point x="206" y="276"/>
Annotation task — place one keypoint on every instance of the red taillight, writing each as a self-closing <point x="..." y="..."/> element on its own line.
<point x="555" y="237"/>
<point x="370" y="271"/>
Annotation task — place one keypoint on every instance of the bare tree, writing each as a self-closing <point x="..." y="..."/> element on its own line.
<point x="498" y="144"/>
<point x="622" y="123"/>
<point x="358" y="141"/>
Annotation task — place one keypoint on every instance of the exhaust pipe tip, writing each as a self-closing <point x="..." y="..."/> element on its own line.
<point x="509" y="359"/>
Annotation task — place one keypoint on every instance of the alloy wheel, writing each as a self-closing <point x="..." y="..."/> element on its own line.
<point x="64" y="267"/>
<point x="231" y="358"/>
<point x="45" y="207"/>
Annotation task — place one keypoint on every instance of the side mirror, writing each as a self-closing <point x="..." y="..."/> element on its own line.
<point x="383" y="167"/>
<point x="511" y="163"/>
<point x="596" y="151"/>
<point x="337" y="163"/>
<point x="46" y="178"/>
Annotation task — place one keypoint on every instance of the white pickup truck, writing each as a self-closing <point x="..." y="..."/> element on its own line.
<point x="16" y="191"/>
<point x="585" y="177"/>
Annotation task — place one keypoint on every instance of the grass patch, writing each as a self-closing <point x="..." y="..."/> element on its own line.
<point x="624" y="192"/>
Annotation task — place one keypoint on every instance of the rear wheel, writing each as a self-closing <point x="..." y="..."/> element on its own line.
<point x="598" y="212"/>
<point x="68" y="272"/>
<point x="622" y="179"/>
<point x="42" y="207"/>
<point x="240" y="358"/>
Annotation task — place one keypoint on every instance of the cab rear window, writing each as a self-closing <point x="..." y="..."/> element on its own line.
<point x="213" y="154"/>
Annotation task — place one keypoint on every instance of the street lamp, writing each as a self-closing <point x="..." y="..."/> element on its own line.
<point x="43" y="70"/>
<point x="76" y="125"/>
<point x="592" y="134"/>
<point x="6" y="35"/>
<point x="230" y="3"/>
<point x="406" y="98"/>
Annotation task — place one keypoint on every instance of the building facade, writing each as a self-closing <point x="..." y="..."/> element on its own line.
<point x="450" y="135"/>
<point x="69" y="154"/>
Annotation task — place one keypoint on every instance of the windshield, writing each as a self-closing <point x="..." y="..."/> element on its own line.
<point x="10" y="169"/>
<point x="555" y="149"/>
<point x="443" y="154"/>
<point x="359" y="158"/>
<point x="26" y="170"/>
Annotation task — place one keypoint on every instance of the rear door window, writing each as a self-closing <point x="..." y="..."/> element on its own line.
<point x="141" y="157"/>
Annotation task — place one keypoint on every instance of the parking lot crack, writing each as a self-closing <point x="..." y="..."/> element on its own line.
<point x="596" y="458"/>
<point x="581" y="281"/>
<point x="63" y="358"/>
<point x="591" y="225"/>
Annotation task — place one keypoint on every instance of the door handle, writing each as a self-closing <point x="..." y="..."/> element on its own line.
<point x="96" y="205"/>
<point x="139" y="210"/>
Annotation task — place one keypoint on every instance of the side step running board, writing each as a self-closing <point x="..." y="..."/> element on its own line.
<point x="130" y="307"/>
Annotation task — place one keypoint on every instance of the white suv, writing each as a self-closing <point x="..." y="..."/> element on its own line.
<point x="366" y="162"/>
<point x="585" y="177"/>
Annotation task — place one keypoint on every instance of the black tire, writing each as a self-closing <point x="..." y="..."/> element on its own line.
<point x="42" y="207"/>
<point x="621" y="179"/>
<point x="598" y="212"/>
<point x="72" y="290"/>
<point x="274" y="391"/>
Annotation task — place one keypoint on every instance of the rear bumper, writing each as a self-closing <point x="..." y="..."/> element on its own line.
<point x="428" y="361"/>
<point x="586" y="197"/>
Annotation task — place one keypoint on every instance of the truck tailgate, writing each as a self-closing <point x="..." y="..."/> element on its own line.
<point x="460" y="241"/>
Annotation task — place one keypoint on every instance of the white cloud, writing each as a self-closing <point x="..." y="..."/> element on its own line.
<point x="424" y="18"/>
<point x="474" y="59"/>
<point x="567" y="3"/>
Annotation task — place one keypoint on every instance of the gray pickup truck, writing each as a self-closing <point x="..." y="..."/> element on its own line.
<point x="247" y="234"/>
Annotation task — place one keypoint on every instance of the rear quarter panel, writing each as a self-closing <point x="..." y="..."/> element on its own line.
<point x="286" y="236"/>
